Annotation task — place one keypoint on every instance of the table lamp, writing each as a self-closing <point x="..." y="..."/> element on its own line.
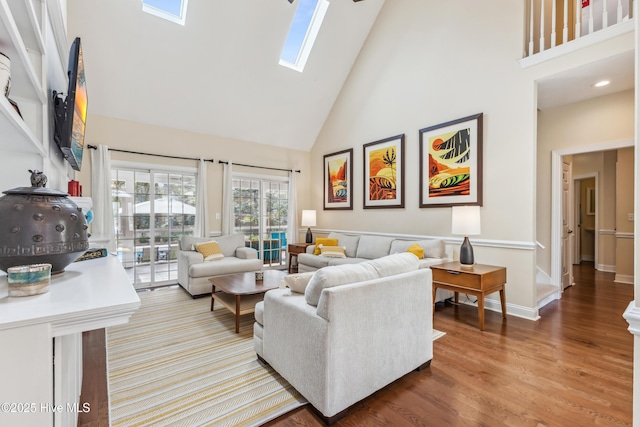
<point x="465" y="220"/>
<point x="308" y="220"/>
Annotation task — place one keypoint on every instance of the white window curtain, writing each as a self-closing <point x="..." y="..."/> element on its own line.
<point x="292" y="215"/>
<point x="227" y="199"/>
<point x="102" y="224"/>
<point x="201" y="226"/>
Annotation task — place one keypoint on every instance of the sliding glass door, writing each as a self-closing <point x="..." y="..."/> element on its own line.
<point x="260" y="208"/>
<point x="152" y="210"/>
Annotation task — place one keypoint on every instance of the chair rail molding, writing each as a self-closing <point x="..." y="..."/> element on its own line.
<point x="623" y="235"/>
<point x="504" y="244"/>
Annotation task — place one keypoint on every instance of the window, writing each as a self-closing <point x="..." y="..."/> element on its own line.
<point x="303" y="32"/>
<point x="171" y="10"/>
<point x="260" y="207"/>
<point x="152" y="210"/>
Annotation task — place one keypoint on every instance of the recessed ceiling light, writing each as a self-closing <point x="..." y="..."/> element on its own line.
<point x="601" y="83"/>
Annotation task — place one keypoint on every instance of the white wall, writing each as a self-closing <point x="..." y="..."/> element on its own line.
<point x="596" y="121"/>
<point x="425" y="63"/>
<point x="624" y="208"/>
<point x="603" y="165"/>
<point x="131" y="136"/>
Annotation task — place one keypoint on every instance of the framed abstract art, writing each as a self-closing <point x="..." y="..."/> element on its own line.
<point x="383" y="182"/>
<point x="338" y="180"/>
<point x="451" y="163"/>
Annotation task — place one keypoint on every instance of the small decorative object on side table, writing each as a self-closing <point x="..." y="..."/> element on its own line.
<point x="26" y="280"/>
<point x="294" y="250"/>
<point x="479" y="280"/>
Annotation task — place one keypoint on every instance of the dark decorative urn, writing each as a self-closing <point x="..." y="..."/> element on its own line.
<point x="40" y="225"/>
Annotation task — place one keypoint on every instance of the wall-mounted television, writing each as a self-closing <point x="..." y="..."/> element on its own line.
<point x="71" y="112"/>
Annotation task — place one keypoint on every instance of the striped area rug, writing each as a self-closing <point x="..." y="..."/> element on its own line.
<point x="177" y="363"/>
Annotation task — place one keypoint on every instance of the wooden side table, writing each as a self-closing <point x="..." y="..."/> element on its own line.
<point x="479" y="280"/>
<point x="294" y="249"/>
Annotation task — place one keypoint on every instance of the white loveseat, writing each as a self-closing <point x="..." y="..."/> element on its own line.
<point x="359" y="248"/>
<point x="194" y="272"/>
<point x="349" y="331"/>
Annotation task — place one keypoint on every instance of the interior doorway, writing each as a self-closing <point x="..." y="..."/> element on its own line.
<point x="585" y="214"/>
<point x="558" y="207"/>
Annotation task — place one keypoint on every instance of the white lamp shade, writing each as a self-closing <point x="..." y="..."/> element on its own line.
<point x="465" y="220"/>
<point x="308" y="219"/>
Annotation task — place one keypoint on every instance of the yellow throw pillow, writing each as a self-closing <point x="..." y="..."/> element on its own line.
<point x="325" y="242"/>
<point x="210" y="250"/>
<point x="417" y="250"/>
<point x="332" y="251"/>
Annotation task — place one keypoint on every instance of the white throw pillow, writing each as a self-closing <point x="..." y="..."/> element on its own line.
<point x="298" y="282"/>
<point x="332" y="251"/>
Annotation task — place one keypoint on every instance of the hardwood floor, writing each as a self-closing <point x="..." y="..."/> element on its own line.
<point x="94" y="380"/>
<point x="573" y="367"/>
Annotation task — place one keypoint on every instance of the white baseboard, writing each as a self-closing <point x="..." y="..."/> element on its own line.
<point x="623" y="278"/>
<point x="494" y="305"/>
<point x="547" y="300"/>
<point x="606" y="268"/>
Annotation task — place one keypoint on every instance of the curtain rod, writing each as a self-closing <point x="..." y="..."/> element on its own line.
<point x="259" y="167"/>
<point x="93" y="147"/>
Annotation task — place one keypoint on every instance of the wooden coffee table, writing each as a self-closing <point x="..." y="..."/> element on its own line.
<point x="240" y="292"/>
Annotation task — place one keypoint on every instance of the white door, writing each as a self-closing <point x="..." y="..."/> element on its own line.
<point x="152" y="210"/>
<point x="567" y="230"/>
<point x="577" y="221"/>
<point x="260" y="208"/>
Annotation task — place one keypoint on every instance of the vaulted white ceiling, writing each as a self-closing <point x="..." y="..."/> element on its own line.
<point x="218" y="74"/>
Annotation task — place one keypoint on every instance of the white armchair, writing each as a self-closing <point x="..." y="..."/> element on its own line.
<point x="194" y="272"/>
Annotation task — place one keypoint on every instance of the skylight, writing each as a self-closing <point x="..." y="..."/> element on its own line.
<point x="171" y="10"/>
<point x="303" y="32"/>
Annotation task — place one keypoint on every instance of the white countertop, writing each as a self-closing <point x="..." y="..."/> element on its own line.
<point x="89" y="295"/>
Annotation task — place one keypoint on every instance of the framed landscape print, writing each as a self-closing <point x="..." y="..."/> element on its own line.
<point x="338" y="180"/>
<point x="451" y="163"/>
<point x="383" y="182"/>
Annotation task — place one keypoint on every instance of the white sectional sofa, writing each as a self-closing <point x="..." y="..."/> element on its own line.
<point x="194" y="272"/>
<point x="359" y="248"/>
<point x="344" y="332"/>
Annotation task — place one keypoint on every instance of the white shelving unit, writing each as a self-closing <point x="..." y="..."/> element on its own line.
<point x="89" y="295"/>
<point x="21" y="36"/>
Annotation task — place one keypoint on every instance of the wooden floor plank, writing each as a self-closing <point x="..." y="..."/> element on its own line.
<point x="571" y="367"/>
